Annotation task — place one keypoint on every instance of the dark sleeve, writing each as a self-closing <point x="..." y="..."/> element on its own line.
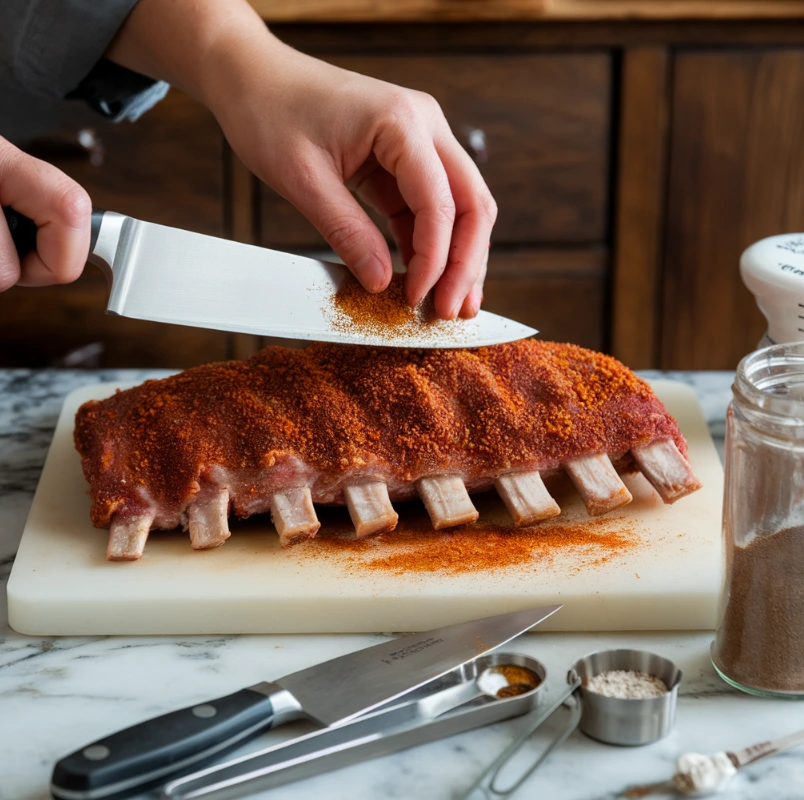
<point x="54" y="48"/>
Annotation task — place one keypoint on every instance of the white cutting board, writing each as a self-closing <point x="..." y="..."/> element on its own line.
<point x="61" y="583"/>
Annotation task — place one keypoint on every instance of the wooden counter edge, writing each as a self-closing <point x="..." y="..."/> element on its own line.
<point x="502" y="10"/>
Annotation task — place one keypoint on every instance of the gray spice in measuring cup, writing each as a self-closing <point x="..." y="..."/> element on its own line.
<point x="626" y="685"/>
<point x="760" y="643"/>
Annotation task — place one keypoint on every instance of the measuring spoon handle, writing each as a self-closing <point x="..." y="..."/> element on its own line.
<point x="487" y="783"/>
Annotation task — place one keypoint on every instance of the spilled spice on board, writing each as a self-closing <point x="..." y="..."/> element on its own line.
<point x="414" y="547"/>
<point x="386" y="314"/>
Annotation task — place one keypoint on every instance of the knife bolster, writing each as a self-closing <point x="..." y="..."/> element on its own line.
<point x="285" y="705"/>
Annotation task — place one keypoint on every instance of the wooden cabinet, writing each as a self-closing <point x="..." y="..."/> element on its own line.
<point x="63" y="326"/>
<point x="167" y="167"/>
<point x="736" y="175"/>
<point x="561" y="293"/>
<point x="538" y="126"/>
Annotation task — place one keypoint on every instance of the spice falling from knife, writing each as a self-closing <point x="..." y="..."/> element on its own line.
<point x="387" y="314"/>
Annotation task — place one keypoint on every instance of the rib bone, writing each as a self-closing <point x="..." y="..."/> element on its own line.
<point x="127" y="538"/>
<point x="526" y="497"/>
<point x="446" y="500"/>
<point x="666" y="469"/>
<point x="370" y="508"/>
<point x="208" y="520"/>
<point x="598" y="483"/>
<point x="293" y="516"/>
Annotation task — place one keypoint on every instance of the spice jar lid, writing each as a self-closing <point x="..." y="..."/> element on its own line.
<point x="773" y="270"/>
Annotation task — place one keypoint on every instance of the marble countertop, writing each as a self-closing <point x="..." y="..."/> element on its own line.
<point x="59" y="693"/>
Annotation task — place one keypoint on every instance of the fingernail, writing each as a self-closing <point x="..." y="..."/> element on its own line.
<point x="413" y="300"/>
<point x="371" y="272"/>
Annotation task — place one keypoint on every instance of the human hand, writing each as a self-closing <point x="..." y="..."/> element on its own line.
<point x="313" y="131"/>
<point x="61" y="210"/>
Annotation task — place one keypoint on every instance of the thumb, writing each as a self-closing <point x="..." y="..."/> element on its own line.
<point x="348" y="229"/>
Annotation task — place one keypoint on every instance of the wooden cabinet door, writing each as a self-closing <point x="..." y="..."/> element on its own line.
<point x="736" y="175"/>
<point x="561" y="293"/>
<point x="538" y="125"/>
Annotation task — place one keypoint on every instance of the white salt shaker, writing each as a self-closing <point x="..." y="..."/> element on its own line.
<point x="773" y="270"/>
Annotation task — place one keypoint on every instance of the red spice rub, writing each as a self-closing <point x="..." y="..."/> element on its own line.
<point x="481" y="547"/>
<point x="346" y="411"/>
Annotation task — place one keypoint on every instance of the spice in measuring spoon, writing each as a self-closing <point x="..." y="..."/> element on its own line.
<point x="508" y="680"/>
<point x="520" y="680"/>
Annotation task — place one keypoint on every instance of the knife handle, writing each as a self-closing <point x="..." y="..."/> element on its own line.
<point x="23" y="230"/>
<point x="145" y="755"/>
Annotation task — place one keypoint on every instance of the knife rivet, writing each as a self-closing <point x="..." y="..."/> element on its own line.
<point x="205" y="711"/>
<point x="96" y="753"/>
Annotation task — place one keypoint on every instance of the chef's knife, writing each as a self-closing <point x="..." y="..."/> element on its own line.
<point x="165" y="274"/>
<point x="145" y="755"/>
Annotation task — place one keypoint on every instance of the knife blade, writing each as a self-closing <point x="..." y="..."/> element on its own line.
<point x="146" y="754"/>
<point x="165" y="274"/>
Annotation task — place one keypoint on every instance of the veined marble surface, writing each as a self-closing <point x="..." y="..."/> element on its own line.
<point x="58" y="694"/>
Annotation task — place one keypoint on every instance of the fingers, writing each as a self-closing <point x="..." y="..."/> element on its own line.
<point x="9" y="263"/>
<point x="330" y="206"/>
<point x="412" y="158"/>
<point x="61" y="210"/>
<point x="460" y="290"/>
<point x="471" y="304"/>
<point x="452" y="210"/>
<point x="376" y="187"/>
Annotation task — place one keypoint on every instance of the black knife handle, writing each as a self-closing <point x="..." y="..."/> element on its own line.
<point x="23" y="230"/>
<point x="146" y="755"/>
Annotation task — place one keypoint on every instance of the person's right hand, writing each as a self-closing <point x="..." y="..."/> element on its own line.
<point x="62" y="212"/>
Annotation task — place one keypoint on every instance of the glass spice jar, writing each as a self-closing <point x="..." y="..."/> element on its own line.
<point x="759" y="645"/>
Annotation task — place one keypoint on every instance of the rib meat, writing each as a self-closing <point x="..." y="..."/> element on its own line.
<point x="361" y="426"/>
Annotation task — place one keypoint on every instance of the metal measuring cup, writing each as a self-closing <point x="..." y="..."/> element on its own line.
<point x="628" y="721"/>
<point x="610" y="720"/>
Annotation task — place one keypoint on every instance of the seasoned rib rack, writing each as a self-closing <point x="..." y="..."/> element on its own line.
<point x="363" y="427"/>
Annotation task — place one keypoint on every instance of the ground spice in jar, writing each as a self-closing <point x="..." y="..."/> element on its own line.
<point x="386" y="314"/>
<point x="626" y="685"/>
<point x="520" y="680"/>
<point x="760" y="642"/>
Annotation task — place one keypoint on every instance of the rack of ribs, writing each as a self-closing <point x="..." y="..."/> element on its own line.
<point x="362" y="427"/>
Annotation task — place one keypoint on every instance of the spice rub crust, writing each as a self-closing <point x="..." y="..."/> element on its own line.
<point x="329" y="412"/>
